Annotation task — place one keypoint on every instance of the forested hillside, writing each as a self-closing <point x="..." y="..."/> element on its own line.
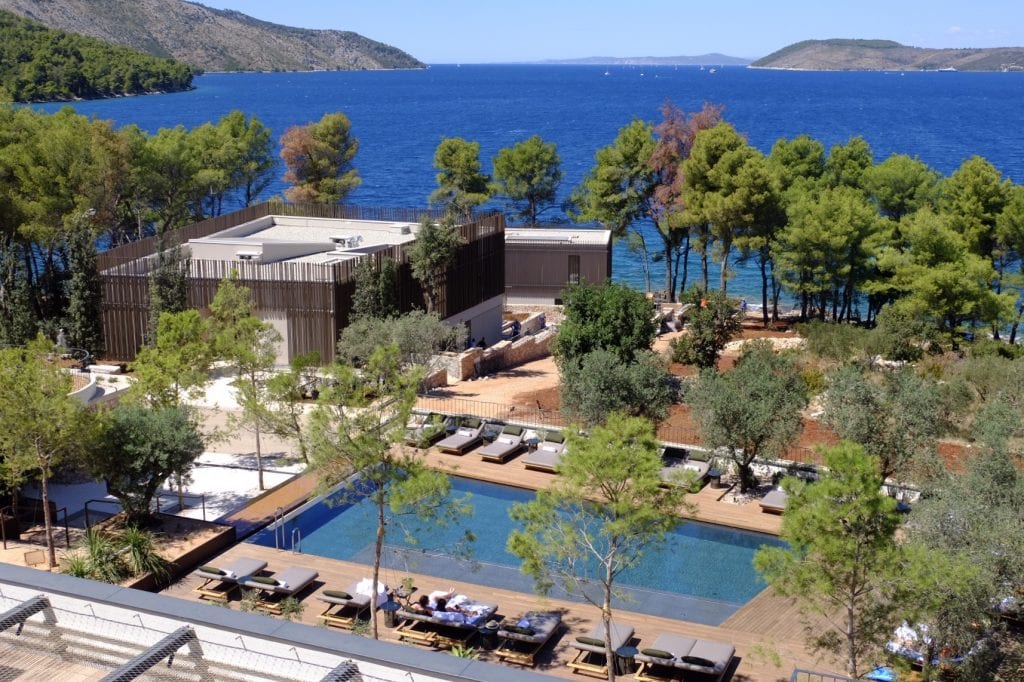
<point x="841" y="54"/>
<point x="38" y="64"/>
<point x="213" y="39"/>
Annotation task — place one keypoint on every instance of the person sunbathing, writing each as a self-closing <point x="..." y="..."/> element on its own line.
<point x="423" y="605"/>
<point x="434" y="596"/>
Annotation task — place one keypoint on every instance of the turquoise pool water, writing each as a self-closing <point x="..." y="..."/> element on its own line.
<point x="701" y="572"/>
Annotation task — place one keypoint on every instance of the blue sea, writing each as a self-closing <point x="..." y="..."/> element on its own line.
<point x="400" y="116"/>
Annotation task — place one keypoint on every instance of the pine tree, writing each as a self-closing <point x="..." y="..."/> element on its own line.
<point x="167" y="286"/>
<point x="84" y="325"/>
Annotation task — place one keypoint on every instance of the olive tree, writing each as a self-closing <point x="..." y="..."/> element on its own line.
<point x="142" y="447"/>
<point x="751" y="411"/>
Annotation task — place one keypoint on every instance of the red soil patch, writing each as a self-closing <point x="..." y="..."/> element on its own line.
<point x="541" y="399"/>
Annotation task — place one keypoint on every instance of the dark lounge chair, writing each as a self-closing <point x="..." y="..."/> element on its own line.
<point x="508" y="443"/>
<point x="671" y="653"/>
<point x="522" y="640"/>
<point x="590" y="652"/>
<point x="344" y="608"/>
<point x="276" y="588"/>
<point x="775" y="501"/>
<point x="683" y="467"/>
<point x="423" y="430"/>
<point x="548" y="453"/>
<point x="468" y="435"/>
<point x="442" y="630"/>
<point x="220" y="581"/>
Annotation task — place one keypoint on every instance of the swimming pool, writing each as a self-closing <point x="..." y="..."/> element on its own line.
<point x="701" y="572"/>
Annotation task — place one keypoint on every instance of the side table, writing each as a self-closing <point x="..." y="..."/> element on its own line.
<point x="488" y="635"/>
<point x="625" y="664"/>
<point x="715" y="477"/>
<point x="390" y="609"/>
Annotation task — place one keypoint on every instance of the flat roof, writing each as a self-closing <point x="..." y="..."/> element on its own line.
<point x="338" y="239"/>
<point x="587" y="236"/>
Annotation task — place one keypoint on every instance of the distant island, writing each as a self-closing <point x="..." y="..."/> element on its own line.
<point x="713" y="59"/>
<point x="841" y="54"/>
<point x="212" y="39"/>
<point x="38" y="64"/>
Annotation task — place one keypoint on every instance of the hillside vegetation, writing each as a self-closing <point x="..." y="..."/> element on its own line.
<point x="211" y="39"/>
<point x="38" y="64"/>
<point x="885" y="55"/>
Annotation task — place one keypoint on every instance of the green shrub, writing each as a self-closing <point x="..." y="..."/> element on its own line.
<point x="814" y="379"/>
<point x="709" y="328"/>
<point x="834" y="341"/>
<point x="986" y="347"/>
<point x="600" y="383"/>
<point x="901" y="335"/>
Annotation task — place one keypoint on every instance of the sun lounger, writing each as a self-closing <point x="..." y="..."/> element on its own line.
<point x="523" y="639"/>
<point x="467" y="436"/>
<point x="344" y="608"/>
<point x="590" y="656"/>
<point x="682" y="467"/>
<point x="220" y="581"/>
<point x="671" y="653"/>
<point x="548" y="453"/>
<point x="508" y="443"/>
<point x="278" y="587"/>
<point x="423" y="430"/>
<point x="443" y="630"/>
<point x="775" y="501"/>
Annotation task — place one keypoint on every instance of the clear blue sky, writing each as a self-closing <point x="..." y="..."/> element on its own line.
<point x="470" y="31"/>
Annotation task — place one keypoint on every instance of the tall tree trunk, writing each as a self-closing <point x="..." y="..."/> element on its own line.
<point x="685" y="257"/>
<point x="378" y="551"/>
<point x="1016" y="325"/>
<point x="259" y="456"/>
<point x="764" y="289"/>
<point x="851" y="642"/>
<point x="704" y="268"/>
<point x="606" y="618"/>
<point x="44" y="489"/>
<point x="724" y="277"/>
<point x="668" y="266"/>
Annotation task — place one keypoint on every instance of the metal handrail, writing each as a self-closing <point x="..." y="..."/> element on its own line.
<point x="801" y="675"/>
<point x="296" y="547"/>
<point x="85" y="508"/>
<point x="180" y="496"/>
<point x="9" y="509"/>
<point x="278" y="524"/>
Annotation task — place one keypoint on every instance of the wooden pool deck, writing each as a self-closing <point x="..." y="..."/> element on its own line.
<point x="766" y="624"/>
<point x="767" y="629"/>
<point x="708" y="502"/>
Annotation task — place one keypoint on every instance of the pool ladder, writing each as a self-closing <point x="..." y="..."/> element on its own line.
<point x="279" y="534"/>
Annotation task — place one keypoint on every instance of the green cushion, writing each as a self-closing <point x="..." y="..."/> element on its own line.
<point x="263" y="580"/>
<point x="211" y="569"/>
<point x="529" y="632"/>
<point x="555" y="437"/>
<point x="512" y="430"/>
<point x="590" y="641"/>
<point x="337" y="594"/>
<point x="471" y="423"/>
<point x="696" y="456"/>
<point x="656" y="653"/>
<point x="698" y="661"/>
